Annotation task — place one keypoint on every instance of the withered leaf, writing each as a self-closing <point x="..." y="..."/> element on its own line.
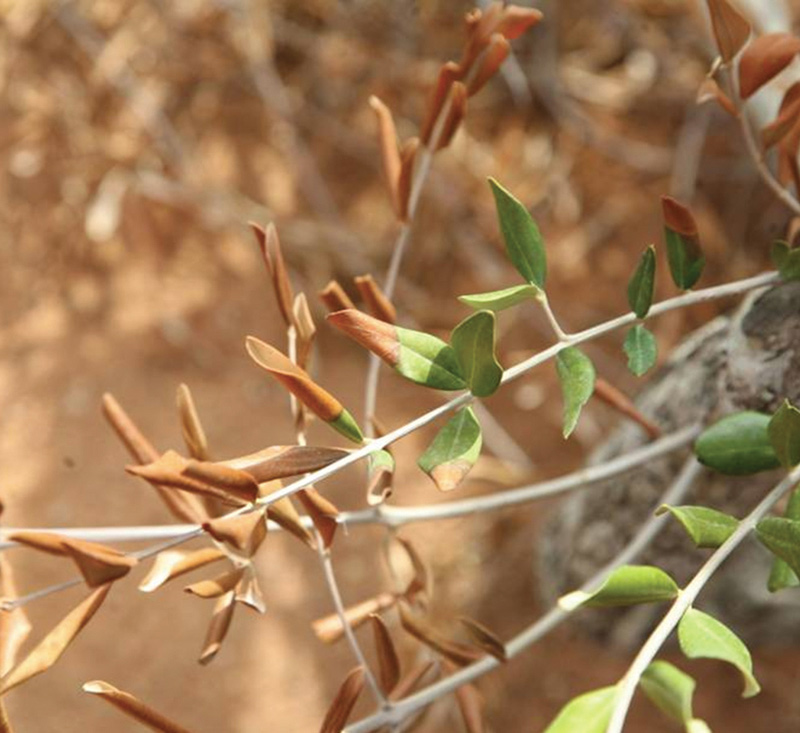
<point x="408" y="157"/>
<point x="764" y="58"/>
<point x="344" y="702"/>
<point x="249" y="593"/>
<point x="618" y="400"/>
<point x="376" y="301"/>
<point x="283" y="461"/>
<point x="387" y="141"/>
<point x="329" y="628"/>
<point x="306" y="330"/>
<point x="455" y="114"/>
<point x="283" y="513"/>
<point x="408" y="568"/>
<point x="422" y="630"/>
<point x="14" y="625"/>
<point x="193" y="434"/>
<point x="787" y="120"/>
<point x="710" y="91"/>
<point x="388" y="661"/>
<point x="276" y="267"/>
<point x="5" y="723"/>
<point x="484" y="638"/>
<point x="218" y="628"/>
<point x="412" y="680"/>
<point x="471" y="704"/>
<point x="218" y="586"/>
<point x="171" y="564"/>
<point x="243" y="533"/>
<point x="498" y="51"/>
<point x="98" y="564"/>
<point x="334" y="297"/>
<point x="448" y="74"/>
<point x="49" y="650"/>
<point x="322" y="512"/>
<point x="133" y="707"/>
<point x="230" y="480"/>
<point x="515" y="20"/>
<point x="731" y="29"/>
<point x="48" y="542"/>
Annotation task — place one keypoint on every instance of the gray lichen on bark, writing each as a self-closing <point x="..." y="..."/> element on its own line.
<point x="748" y="361"/>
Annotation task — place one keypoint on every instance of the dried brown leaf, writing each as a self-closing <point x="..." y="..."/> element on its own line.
<point x="133" y="707"/>
<point x="216" y="587"/>
<point x="249" y="593"/>
<point x="335" y="298"/>
<point x="171" y="564"/>
<point x="412" y="680"/>
<point x="678" y="217"/>
<point x="193" y="434"/>
<point x="377" y="303"/>
<point x="455" y="114"/>
<point x="306" y="330"/>
<point x="484" y="638"/>
<point x="49" y="650"/>
<point x="282" y="461"/>
<point x="48" y="542"/>
<point x="516" y="20"/>
<point x="495" y="54"/>
<point x="98" y="564"/>
<point x="388" y="661"/>
<point x="710" y="91"/>
<point x="448" y="74"/>
<point x="470" y="703"/>
<point x="731" y="29"/>
<point x="282" y="512"/>
<point x="276" y="267"/>
<point x="14" y="624"/>
<point x="244" y="533"/>
<point x="422" y="630"/>
<point x="218" y="628"/>
<point x="344" y="702"/>
<point x="329" y="628"/>
<point x="788" y="118"/>
<point x="408" y="158"/>
<point x="619" y="401"/>
<point x="5" y="723"/>
<point x="229" y="480"/>
<point x="373" y="334"/>
<point x="322" y="512"/>
<point x="764" y="58"/>
<point x="387" y="141"/>
<point x="380" y="486"/>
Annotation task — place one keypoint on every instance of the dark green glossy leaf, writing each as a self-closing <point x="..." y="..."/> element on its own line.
<point x="524" y="242"/>
<point x="703" y="637"/>
<point x="427" y="360"/>
<point x="685" y="258"/>
<point x="498" y="300"/>
<point x="784" y="434"/>
<point x="640" y="287"/>
<point x="707" y="527"/>
<point x="473" y="342"/>
<point x="625" y="586"/>
<point x="781" y="575"/>
<point x="670" y="689"/>
<point x="641" y="349"/>
<point x="588" y="713"/>
<point x="737" y="445"/>
<point x="453" y="451"/>
<point x="576" y="374"/>
<point x="786" y="260"/>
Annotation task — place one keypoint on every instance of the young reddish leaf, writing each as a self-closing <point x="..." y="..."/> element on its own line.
<point x="329" y="628"/>
<point x="388" y="661"/>
<point x="218" y="628"/>
<point x="171" y="564"/>
<point x="454" y="450"/>
<point x="484" y="638"/>
<point x="455" y="114"/>
<point x="710" y="91"/>
<point x="98" y="564"/>
<point x="731" y="29"/>
<point x="323" y="404"/>
<point x="249" y="593"/>
<point x="193" y="434"/>
<point x="685" y="258"/>
<point x="335" y="298"/>
<point x="448" y="74"/>
<point x="244" y="533"/>
<point x="14" y="625"/>
<point x="412" y="680"/>
<point x="377" y="303"/>
<point x="419" y="628"/>
<point x="276" y="267"/>
<point x="283" y="513"/>
<point x="282" y="461"/>
<point x="322" y="512"/>
<point x="48" y="651"/>
<point x="408" y="157"/>
<point x="132" y="707"/>
<point x="495" y="54"/>
<point x="216" y="587"/>
<point x="344" y="702"/>
<point x="387" y="142"/>
<point x="619" y="401"/>
<point x="764" y="59"/>
<point x="185" y="508"/>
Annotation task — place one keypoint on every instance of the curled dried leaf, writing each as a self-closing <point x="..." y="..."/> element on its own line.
<point x="229" y="480"/>
<point x="619" y="401"/>
<point x="408" y="570"/>
<point x="422" y="630"/>
<point x="48" y="651"/>
<point x="495" y="54"/>
<point x="193" y="434"/>
<point x="48" y="542"/>
<point x="133" y="707"/>
<point x="516" y="20"/>
<point x="377" y="303"/>
<point x="388" y="661"/>
<point x="171" y="564"/>
<point x="484" y="638"/>
<point x="218" y="628"/>
<point x="283" y="513"/>
<point x="763" y="59"/>
<point x="455" y="114"/>
<point x="344" y="702"/>
<point x="378" y="336"/>
<point x="387" y="141"/>
<point x="306" y="330"/>
<point x="788" y="118"/>
<point x="329" y="628"/>
<point x="216" y="587"/>
<point x="282" y="461"/>
<point x="448" y="74"/>
<point x="14" y="625"/>
<point x="710" y="91"/>
<point x="381" y="477"/>
<point x="276" y="267"/>
<point x="244" y="533"/>
<point x="98" y="564"/>
<point x="249" y="593"/>
<point x="322" y="512"/>
<point x="335" y="298"/>
<point x="408" y="157"/>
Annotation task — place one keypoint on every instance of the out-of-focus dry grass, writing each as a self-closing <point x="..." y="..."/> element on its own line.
<point x="139" y="136"/>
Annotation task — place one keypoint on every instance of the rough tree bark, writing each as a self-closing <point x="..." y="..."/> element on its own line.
<point x="748" y="361"/>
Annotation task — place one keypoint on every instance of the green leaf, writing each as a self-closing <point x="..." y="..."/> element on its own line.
<point x="473" y="341"/>
<point x="707" y="527"/>
<point x="784" y="434"/>
<point x="685" y="258"/>
<point x="737" y="445"/>
<point x="427" y="360"/>
<point x="697" y="726"/>
<point x="640" y="287"/>
<point x="453" y="451"/>
<point x="576" y="374"/>
<point x="346" y="424"/>
<point x="669" y="689"/>
<point x="524" y="242"/>
<point x="641" y="348"/>
<point x="499" y="300"/>
<point x="786" y="260"/>
<point x="587" y="713"/>
<point x="625" y="586"/>
<point x="703" y="637"/>
<point x="782" y="576"/>
<point x="781" y="537"/>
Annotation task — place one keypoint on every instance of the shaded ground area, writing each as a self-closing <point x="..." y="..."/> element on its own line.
<point x="139" y="138"/>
